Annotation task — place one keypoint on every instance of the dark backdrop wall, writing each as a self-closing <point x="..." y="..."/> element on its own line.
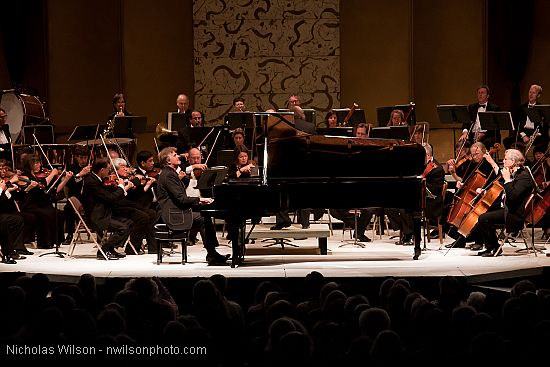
<point x="76" y="55"/>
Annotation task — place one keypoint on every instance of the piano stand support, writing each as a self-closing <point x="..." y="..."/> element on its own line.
<point x="279" y="241"/>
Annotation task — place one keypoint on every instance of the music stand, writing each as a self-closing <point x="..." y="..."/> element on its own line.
<point x="43" y="133"/>
<point x="86" y="132"/>
<point x="177" y="120"/>
<point x="496" y="120"/>
<point x="310" y="114"/>
<point x="390" y="132"/>
<point x="453" y="113"/>
<point x="539" y="114"/>
<point x="240" y="119"/>
<point x="126" y="126"/>
<point x="209" y="178"/>
<point x="335" y="131"/>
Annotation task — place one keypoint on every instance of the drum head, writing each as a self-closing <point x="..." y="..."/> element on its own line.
<point x="14" y="108"/>
<point x="22" y="109"/>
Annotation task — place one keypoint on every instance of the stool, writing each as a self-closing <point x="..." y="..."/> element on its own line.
<point x="164" y="234"/>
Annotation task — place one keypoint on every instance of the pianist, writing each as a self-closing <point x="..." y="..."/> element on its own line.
<point x="175" y="204"/>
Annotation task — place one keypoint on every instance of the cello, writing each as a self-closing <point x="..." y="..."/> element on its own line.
<point x="482" y="203"/>
<point x="463" y="202"/>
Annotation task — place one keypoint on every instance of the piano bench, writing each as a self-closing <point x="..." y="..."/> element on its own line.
<point x="319" y="231"/>
<point x="163" y="235"/>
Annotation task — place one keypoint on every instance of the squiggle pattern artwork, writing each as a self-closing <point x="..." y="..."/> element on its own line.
<point x="264" y="51"/>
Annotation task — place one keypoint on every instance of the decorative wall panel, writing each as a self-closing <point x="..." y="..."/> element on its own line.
<point x="264" y="51"/>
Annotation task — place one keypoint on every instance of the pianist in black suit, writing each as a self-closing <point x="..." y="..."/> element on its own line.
<point x="472" y="131"/>
<point x="176" y="206"/>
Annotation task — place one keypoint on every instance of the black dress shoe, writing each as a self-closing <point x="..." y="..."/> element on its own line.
<point x="118" y="254"/>
<point x="476" y="247"/>
<point x="277" y="227"/>
<point x="68" y="241"/>
<point x="24" y="252"/>
<point x="305" y="226"/>
<point x="109" y="255"/>
<point x="8" y="260"/>
<point x="16" y="256"/>
<point x="497" y="252"/>
<point x="417" y="253"/>
<point x="363" y="238"/>
<point x="217" y="259"/>
<point x="190" y="242"/>
<point x="460" y="243"/>
<point x="485" y="253"/>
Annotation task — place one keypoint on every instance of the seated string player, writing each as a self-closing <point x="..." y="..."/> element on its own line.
<point x="99" y="201"/>
<point x="143" y="217"/>
<point x="435" y="178"/>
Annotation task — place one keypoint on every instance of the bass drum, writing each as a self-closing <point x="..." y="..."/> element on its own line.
<point x="22" y="110"/>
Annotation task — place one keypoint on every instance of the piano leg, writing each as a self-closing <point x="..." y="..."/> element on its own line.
<point x="236" y="232"/>
<point x="417" y="226"/>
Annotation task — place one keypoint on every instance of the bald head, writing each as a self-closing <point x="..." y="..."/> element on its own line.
<point x="194" y="156"/>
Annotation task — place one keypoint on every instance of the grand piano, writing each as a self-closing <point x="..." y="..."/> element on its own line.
<point x="302" y="170"/>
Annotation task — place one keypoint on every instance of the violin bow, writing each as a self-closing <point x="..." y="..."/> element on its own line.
<point x="42" y="150"/>
<point x="108" y="155"/>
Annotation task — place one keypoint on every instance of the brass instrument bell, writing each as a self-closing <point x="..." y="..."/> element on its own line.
<point x="161" y="130"/>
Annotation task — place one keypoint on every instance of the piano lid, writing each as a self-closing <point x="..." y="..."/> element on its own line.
<point x="295" y="154"/>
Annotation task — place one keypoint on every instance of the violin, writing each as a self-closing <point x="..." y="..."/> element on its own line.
<point x="153" y="173"/>
<point x="110" y="181"/>
<point x="43" y="173"/>
<point x="429" y="167"/>
<point x="197" y="172"/>
<point x="22" y="182"/>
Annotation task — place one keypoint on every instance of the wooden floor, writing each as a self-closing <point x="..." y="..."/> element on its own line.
<point x="379" y="258"/>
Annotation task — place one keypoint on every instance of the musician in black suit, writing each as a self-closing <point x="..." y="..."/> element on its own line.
<point x="11" y="224"/>
<point x="480" y="161"/>
<point x="435" y="177"/>
<point x="98" y="201"/>
<point x="525" y="128"/>
<point x="518" y="186"/>
<point x="5" y="137"/>
<point x="176" y="206"/>
<point x="81" y="168"/>
<point x="472" y="131"/>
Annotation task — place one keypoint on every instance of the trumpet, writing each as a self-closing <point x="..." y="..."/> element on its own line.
<point x="161" y="130"/>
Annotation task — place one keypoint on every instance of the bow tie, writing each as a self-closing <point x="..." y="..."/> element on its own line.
<point x="483" y="105"/>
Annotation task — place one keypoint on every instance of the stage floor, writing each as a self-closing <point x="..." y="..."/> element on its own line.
<point x="379" y="258"/>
